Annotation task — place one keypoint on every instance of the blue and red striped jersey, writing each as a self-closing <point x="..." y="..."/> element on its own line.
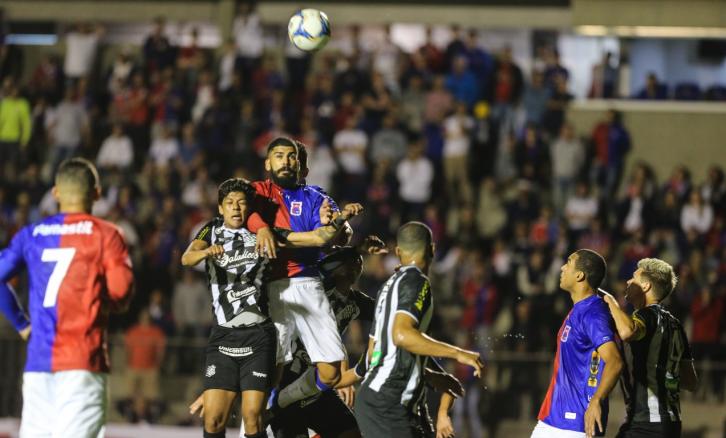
<point x="296" y="209"/>
<point x="78" y="270"/>
<point x="578" y="367"/>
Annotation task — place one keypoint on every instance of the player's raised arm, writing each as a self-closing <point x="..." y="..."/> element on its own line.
<point x="119" y="275"/>
<point x="200" y="247"/>
<point x="322" y="235"/>
<point x="11" y="261"/>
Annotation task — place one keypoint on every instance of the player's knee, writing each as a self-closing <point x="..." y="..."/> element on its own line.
<point x="214" y="422"/>
<point x="329" y="375"/>
<point x="252" y="418"/>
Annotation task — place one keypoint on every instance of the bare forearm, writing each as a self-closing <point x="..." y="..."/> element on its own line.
<point x="447" y="402"/>
<point x="610" y="376"/>
<point x="416" y="342"/>
<point x="623" y="322"/>
<point x="192" y="257"/>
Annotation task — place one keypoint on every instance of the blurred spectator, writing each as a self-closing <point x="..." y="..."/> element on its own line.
<point x="532" y="157"/>
<point x="491" y="215"/>
<point x="81" y="46"/>
<point x="158" y="51"/>
<point x="432" y="54"/>
<point x="349" y="148"/>
<point x="462" y="83"/>
<point x="457" y="128"/>
<point x="68" y="128"/>
<point x="535" y="99"/>
<point x="415" y="174"/>
<point x="557" y="104"/>
<point x="117" y="151"/>
<point x="227" y="64"/>
<point x="200" y="192"/>
<point x="192" y="317"/>
<point x="145" y="344"/>
<point x="507" y="88"/>
<point x="653" y="89"/>
<point x="413" y="104"/>
<point x="696" y="215"/>
<point x="164" y="149"/>
<point x="580" y="210"/>
<point x="634" y="212"/>
<point x="47" y="78"/>
<point x="386" y="59"/>
<point x="121" y="70"/>
<point x="455" y="48"/>
<point x="15" y="128"/>
<point x="438" y="101"/>
<point x="248" y="37"/>
<point x="389" y="143"/>
<point x="612" y="144"/>
<point x="707" y="310"/>
<point x="567" y="156"/>
<point x="554" y="71"/>
<point x="604" y="78"/>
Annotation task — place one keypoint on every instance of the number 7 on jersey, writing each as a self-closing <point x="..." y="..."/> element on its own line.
<point x="62" y="258"/>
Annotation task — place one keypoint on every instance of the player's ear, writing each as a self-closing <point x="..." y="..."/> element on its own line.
<point x="219" y="209"/>
<point x="646" y="286"/>
<point x="398" y="252"/>
<point x="579" y="276"/>
<point x="97" y="193"/>
<point x="54" y="192"/>
<point x="267" y="165"/>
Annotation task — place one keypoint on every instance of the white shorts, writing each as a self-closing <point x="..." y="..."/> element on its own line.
<point x="64" y="404"/>
<point x="544" y="430"/>
<point x="299" y="307"/>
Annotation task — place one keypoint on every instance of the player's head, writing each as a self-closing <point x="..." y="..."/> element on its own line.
<point x="232" y="199"/>
<point x="77" y="185"/>
<point x="654" y="278"/>
<point x="282" y="162"/>
<point x="415" y="241"/>
<point x="584" y="268"/>
<point x="344" y="265"/>
<point x="302" y="159"/>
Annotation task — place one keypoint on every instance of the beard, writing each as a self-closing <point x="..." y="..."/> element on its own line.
<point x="284" y="181"/>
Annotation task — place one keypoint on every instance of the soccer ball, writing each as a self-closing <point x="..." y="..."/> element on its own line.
<point x="309" y="29"/>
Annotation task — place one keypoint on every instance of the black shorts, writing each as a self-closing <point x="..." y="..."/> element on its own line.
<point x="241" y="359"/>
<point x="379" y="417"/>
<point x="326" y="414"/>
<point x="648" y="430"/>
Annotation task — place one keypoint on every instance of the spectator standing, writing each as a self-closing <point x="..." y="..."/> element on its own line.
<point x="15" y="128"/>
<point x="567" y="157"/>
<point x="81" y="47"/>
<point x="349" y="148"/>
<point x="117" y="151"/>
<point x="388" y="143"/>
<point x="158" y="51"/>
<point x="415" y="174"/>
<point x="145" y="344"/>
<point x="535" y="98"/>
<point x="68" y="128"/>
<point x="456" y="150"/>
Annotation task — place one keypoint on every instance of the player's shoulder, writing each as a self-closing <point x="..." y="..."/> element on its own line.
<point x="361" y="298"/>
<point x="412" y="277"/>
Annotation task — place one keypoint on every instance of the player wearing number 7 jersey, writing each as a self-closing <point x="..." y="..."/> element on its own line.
<point x="79" y="271"/>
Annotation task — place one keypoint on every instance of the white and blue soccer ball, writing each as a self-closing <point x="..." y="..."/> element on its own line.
<point x="309" y="29"/>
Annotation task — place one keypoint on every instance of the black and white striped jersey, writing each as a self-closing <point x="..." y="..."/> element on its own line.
<point x="652" y="386"/>
<point x="394" y="372"/>
<point x="235" y="277"/>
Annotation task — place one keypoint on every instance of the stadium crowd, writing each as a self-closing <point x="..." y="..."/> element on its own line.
<point x="458" y="137"/>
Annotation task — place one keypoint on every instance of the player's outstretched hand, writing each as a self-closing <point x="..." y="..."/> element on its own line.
<point x="347" y="394"/>
<point x="608" y="297"/>
<point x="593" y="417"/>
<point x="444" y="427"/>
<point x="25" y="333"/>
<point x="472" y="359"/>
<point x="373" y="245"/>
<point x="266" y="244"/>
<point x="351" y="210"/>
<point x="444" y="382"/>
<point x="197" y="405"/>
<point x="215" y="250"/>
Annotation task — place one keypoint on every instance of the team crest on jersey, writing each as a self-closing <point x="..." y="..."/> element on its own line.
<point x="211" y="370"/>
<point x="296" y="208"/>
<point x="565" y="333"/>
